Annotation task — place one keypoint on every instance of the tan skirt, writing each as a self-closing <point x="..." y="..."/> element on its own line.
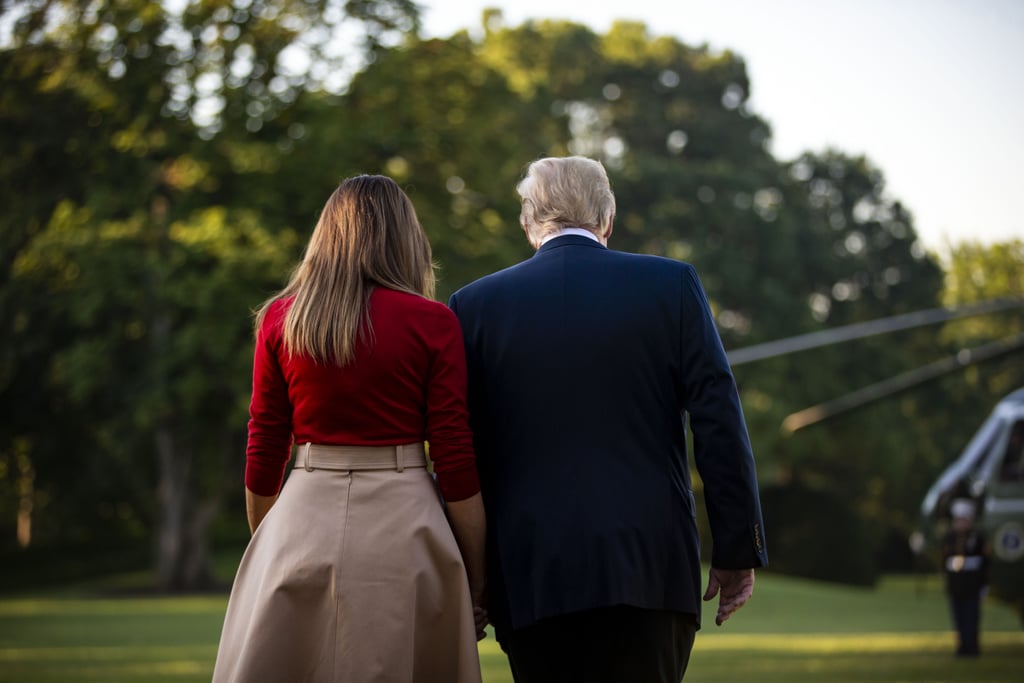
<point x="353" y="576"/>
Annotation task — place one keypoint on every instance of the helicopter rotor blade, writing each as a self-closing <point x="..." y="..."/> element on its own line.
<point x="902" y="382"/>
<point x="906" y="321"/>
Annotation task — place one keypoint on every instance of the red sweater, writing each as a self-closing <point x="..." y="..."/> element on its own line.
<point x="406" y="385"/>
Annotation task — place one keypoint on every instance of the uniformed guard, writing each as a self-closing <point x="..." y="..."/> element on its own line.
<point x="965" y="560"/>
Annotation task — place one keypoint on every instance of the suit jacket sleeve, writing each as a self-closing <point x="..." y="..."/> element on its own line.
<point x="721" y="445"/>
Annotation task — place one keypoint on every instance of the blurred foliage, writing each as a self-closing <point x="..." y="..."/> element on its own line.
<point x="161" y="165"/>
<point x="138" y="246"/>
<point x="976" y="272"/>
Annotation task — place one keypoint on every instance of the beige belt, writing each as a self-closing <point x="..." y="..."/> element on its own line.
<point x="311" y="456"/>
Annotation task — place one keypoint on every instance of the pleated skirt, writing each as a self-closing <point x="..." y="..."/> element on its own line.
<point x="352" y="576"/>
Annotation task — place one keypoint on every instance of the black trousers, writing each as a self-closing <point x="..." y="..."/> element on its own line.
<point x="610" y="645"/>
<point x="966" y="617"/>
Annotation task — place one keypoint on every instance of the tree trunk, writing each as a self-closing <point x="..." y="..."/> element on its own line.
<point x="183" y="556"/>
<point x="25" y="479"/>
<point x="172" y="496"/>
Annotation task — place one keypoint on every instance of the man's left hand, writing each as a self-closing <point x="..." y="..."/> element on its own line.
<point x="735" y="586"/>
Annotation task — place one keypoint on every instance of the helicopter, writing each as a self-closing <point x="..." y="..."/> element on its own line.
<point x="988" y="471"/>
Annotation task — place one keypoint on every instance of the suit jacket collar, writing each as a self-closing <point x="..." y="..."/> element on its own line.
<point x="569" y="241"/>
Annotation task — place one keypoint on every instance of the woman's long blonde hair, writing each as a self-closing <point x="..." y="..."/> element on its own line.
<point x="367" y="235"/>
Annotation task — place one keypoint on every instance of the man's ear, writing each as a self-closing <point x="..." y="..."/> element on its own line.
<point x="526" y="231"/>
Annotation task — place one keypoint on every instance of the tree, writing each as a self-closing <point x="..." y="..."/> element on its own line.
<point x="177" y="391"/>
<point x="867" y="265"/>
<point x="444" y="126"/>
<point x="132" y="128"/>
<point x="977" y="272"/>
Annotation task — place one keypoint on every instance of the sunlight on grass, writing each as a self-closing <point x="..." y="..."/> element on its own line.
<point x="847" y="642"/>
<point x="115" y="673"/>
<point x="109" y="664"/>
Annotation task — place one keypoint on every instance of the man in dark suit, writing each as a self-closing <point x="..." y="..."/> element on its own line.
<point x="583" y="363"/>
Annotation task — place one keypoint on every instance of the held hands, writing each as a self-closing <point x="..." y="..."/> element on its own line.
<point x="735" y="586"/>
<point x="478" y="594"/>
<point x="480" y="618"/>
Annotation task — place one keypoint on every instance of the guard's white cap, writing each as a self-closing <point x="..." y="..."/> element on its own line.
<point x="962" y="508"/>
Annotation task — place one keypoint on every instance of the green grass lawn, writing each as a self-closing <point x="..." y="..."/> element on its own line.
<point x="791" y="632"/>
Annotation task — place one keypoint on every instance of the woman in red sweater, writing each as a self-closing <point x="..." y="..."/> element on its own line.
<point x="353" y="572"/>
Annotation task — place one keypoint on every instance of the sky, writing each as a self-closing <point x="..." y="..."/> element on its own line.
<point x="931" y="91"/>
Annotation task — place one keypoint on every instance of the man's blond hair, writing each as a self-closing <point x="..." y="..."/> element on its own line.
<point x="565" y="192"/>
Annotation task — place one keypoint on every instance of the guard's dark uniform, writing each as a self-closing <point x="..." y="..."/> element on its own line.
<point x="965" y="564"/>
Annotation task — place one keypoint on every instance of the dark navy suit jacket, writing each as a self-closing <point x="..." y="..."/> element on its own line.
<point x="582" y="363"/>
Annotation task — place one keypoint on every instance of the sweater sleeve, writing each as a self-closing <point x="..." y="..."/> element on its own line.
<point x="451" y="441"/>
<point x="270" y="414"/>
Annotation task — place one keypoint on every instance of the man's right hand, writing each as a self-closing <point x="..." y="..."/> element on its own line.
<point x="735" y="585"/>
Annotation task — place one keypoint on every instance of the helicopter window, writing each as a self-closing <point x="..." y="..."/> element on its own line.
<point x="1012" y="469"/>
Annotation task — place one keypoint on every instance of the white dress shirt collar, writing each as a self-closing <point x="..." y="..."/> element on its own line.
<point x="582" y="232"/>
